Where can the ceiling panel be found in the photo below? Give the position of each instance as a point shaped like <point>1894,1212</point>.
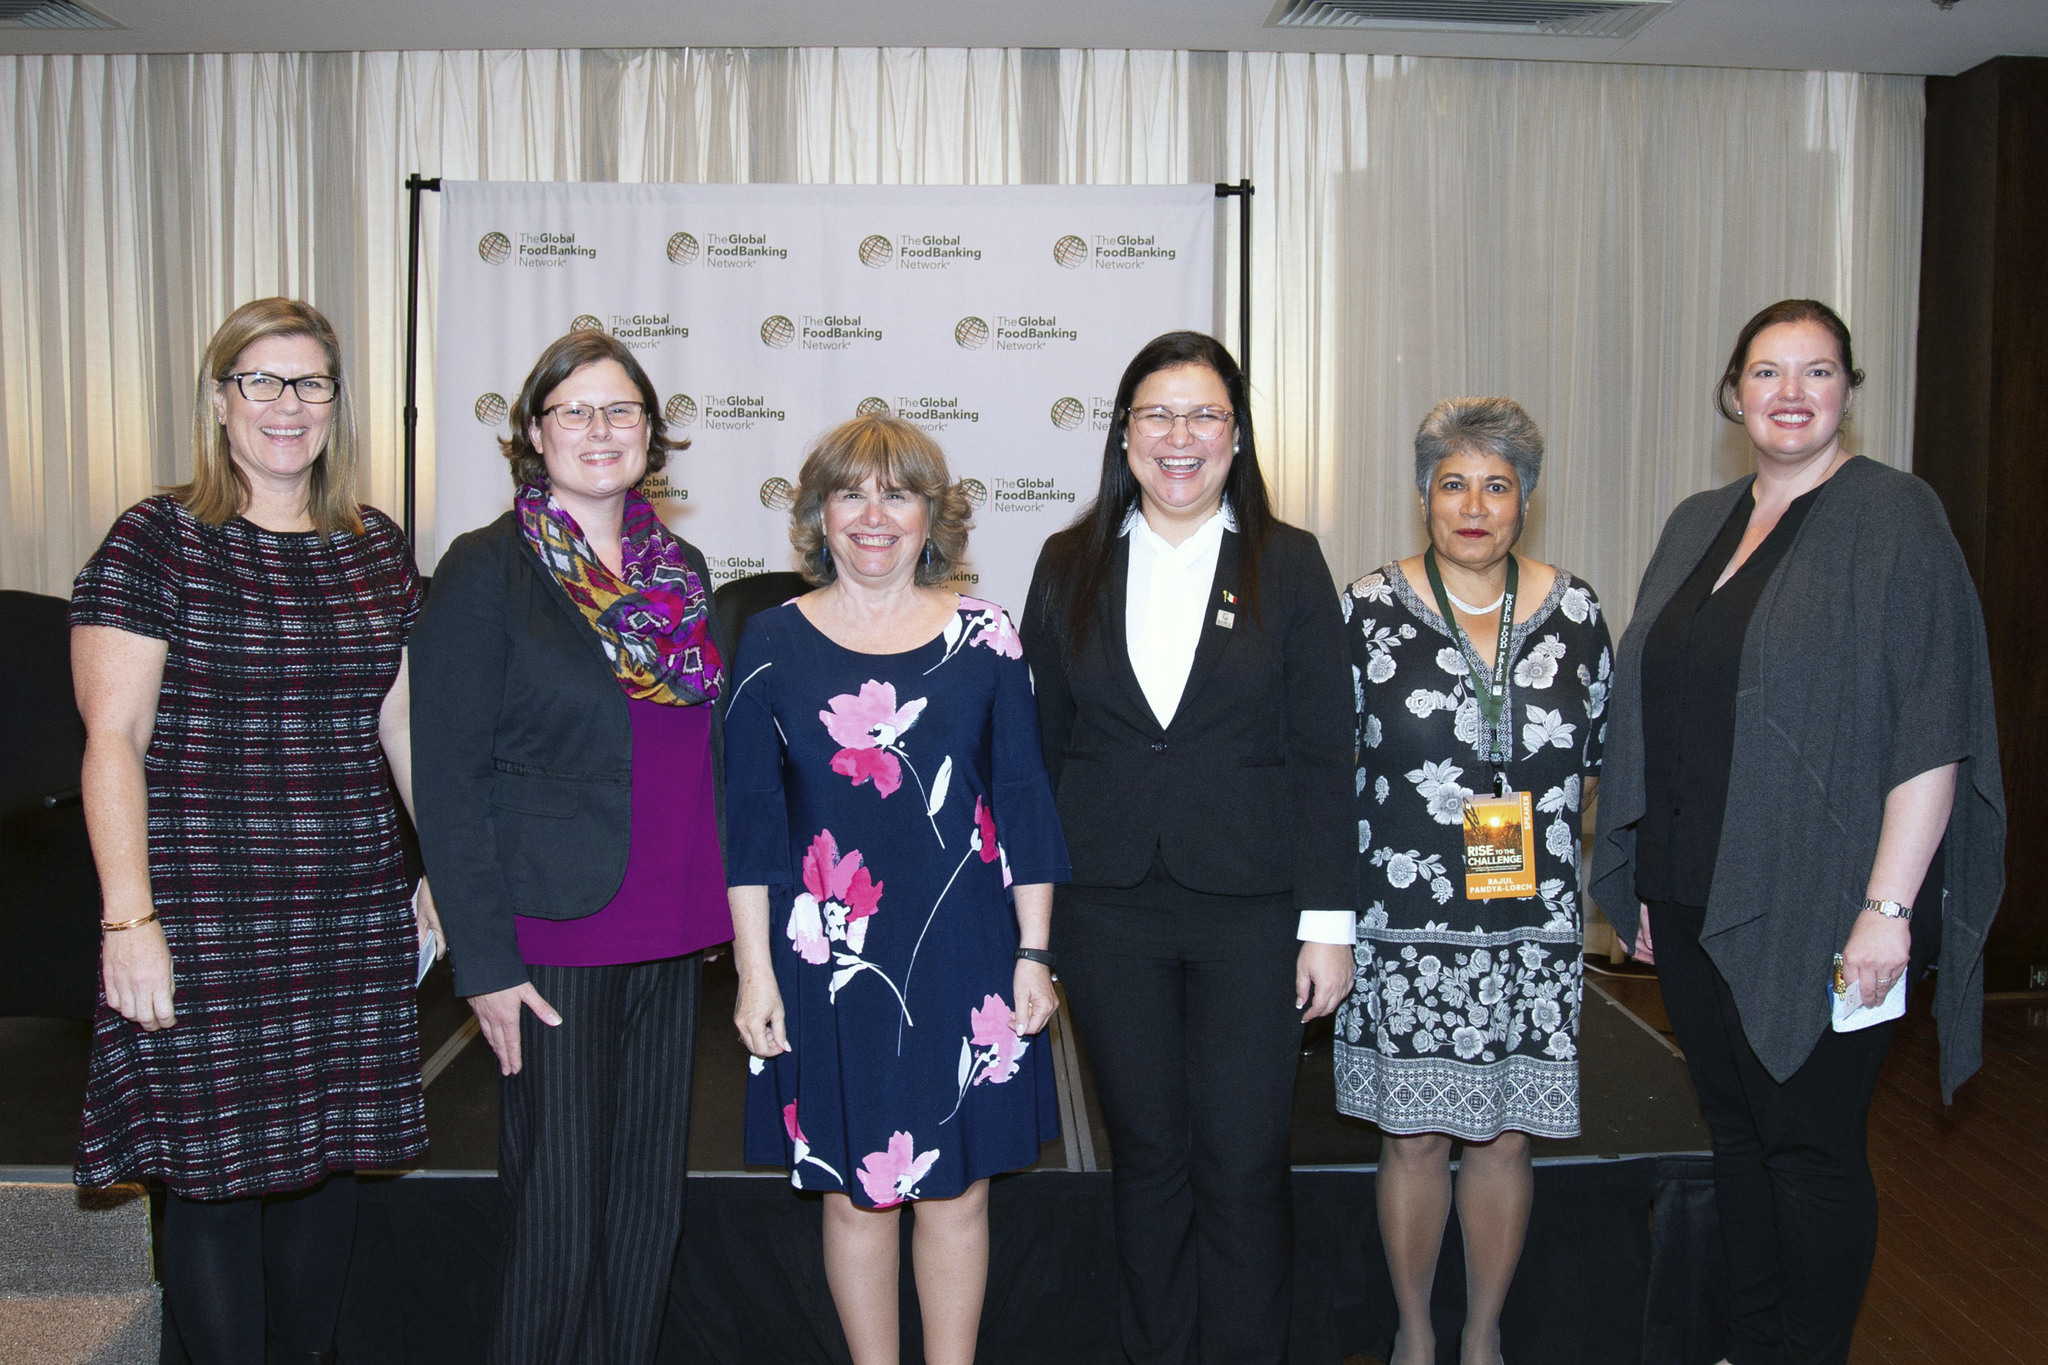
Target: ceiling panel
<point>1838,35</point>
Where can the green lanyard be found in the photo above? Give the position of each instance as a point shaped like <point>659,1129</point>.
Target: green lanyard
<point>1493,698</point>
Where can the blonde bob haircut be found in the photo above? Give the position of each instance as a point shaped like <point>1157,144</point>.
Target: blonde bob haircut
<point>219,491</point>
<point>899,456</point>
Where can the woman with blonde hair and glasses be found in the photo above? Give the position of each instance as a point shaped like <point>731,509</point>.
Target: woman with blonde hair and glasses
<point>239,646</point>
<point>893,853</point>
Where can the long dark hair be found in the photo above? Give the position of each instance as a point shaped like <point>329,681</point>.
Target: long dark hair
<point>1081,554</point>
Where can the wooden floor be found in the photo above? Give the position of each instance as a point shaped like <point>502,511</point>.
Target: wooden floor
<point>1962,1250</point>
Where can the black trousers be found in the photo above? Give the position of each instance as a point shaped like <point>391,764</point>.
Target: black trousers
<point>1185,1003</point>
<point>1792,1179</point>
<point>593,1147</point>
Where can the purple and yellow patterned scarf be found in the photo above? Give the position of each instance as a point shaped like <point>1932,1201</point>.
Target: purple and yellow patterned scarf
<point>655,626</point>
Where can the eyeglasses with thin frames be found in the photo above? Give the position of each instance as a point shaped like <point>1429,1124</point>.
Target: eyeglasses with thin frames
<point>258,387</point>
<point>1204,424</point>
<point>577,416</point>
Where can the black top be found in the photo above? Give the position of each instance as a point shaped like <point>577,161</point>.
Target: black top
<point>1248,791</point>
<point>1691,663</point>
<point>522,749</point>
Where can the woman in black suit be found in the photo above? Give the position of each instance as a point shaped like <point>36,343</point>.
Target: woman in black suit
<point>568,758</point>
<point>1195,705</point>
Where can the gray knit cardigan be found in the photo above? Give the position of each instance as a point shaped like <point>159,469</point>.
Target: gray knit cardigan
<point>1864,665</point>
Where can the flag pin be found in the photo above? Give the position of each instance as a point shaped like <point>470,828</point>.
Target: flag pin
<point>1230,597</point>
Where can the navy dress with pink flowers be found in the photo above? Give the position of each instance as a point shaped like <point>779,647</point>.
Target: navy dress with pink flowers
<point>888,802</point>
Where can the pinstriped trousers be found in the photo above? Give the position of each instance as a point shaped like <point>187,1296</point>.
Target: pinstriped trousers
<point>593,1141</point>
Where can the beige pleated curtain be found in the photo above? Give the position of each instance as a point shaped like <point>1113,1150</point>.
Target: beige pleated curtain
<point>1586,238</point>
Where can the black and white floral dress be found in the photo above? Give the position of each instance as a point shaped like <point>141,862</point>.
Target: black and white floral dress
<point>1464,1014</point>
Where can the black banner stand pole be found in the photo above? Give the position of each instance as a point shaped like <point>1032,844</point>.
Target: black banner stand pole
<point>1242,192</point>
<point>414,185</point>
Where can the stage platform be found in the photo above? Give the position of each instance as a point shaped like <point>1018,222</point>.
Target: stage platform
<point>1621,1263</point>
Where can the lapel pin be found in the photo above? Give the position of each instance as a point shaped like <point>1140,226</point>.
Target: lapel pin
<point>1230,597</point>
<point>1226,619</point>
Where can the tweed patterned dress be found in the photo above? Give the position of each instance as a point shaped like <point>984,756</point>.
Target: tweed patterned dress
<point>273,856</point>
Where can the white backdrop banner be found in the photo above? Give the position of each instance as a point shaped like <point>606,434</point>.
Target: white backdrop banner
<point>996,318</point>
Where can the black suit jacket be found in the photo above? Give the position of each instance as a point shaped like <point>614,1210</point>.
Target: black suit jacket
<point>1248,791</point>
<point>522,751</point>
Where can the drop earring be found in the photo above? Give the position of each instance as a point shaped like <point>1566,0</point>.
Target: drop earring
<point>927,552</point>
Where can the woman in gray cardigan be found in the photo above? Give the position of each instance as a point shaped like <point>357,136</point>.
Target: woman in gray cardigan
<point>1801,753</point>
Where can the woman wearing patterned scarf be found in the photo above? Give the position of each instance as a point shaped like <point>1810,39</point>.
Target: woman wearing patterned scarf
<point>568,733</point>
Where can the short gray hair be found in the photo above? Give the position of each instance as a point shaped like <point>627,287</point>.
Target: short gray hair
<point>1484,426</point>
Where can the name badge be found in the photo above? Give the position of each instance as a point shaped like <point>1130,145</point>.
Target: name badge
<point>1500,846</point>
<point>1226,619</point>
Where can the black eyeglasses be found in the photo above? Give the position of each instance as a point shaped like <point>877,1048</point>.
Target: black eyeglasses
<point>258,387</point>
<point>577,416</point>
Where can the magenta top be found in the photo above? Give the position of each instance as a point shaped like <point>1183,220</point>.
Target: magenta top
<point>672,900</point>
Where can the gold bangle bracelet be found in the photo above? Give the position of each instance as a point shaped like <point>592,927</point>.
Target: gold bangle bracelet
<point>135,923</point>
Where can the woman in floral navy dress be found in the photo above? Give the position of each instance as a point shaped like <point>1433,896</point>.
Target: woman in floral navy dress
<point>884,791</point>
<point>1463,1019</point>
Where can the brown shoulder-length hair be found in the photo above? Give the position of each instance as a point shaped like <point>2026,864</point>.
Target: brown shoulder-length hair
<point>219,491</point>
<point>1784,310</point>
<point>564,356</point>
<point>898,455</point>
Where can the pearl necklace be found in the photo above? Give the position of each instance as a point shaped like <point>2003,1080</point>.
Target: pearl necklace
<point>1462,605</point>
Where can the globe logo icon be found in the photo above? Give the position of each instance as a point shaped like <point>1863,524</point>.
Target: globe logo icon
<point>491,409</point>
<point>680,410</point>
<point>1068,413</point>
<point>1070,251</point>
<point>876,251</point>
<point>976,491</point>
<point>778,495</point>
<point>778,331</point>
<point>682,248</point>
<point>586,322</point>
<point>971,333</point>
<point>494,247</point>
<point>871,407</point>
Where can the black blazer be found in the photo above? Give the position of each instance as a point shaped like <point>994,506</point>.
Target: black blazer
<point>522,751</point>
<point>1248,791</point>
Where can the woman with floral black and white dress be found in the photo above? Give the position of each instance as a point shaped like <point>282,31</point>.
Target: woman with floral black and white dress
<point>1463,1017</point>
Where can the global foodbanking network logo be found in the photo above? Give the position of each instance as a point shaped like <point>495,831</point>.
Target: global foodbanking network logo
<point>1129,251</point>
<point>1031,332</point>
<point>659,487</point>
<point>834,331</point>
<point>921,251</point>
<point>725,568</point>
<point>738,411</point>
<point>645,331</point>
<point>1029,493</point>
<point>936,412</point>
<point>1069,413</point>
<point>740,250</point>
<point>533,248</point>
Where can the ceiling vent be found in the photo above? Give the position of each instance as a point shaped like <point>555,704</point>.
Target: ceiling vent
<point>1541,18</point>
<point>50,14</point>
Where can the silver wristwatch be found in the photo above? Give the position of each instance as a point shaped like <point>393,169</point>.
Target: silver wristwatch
<point>1889,909</point>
